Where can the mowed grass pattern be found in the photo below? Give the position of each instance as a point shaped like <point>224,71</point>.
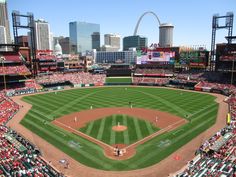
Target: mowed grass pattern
<point>136,130</point>
<point>200,108</point>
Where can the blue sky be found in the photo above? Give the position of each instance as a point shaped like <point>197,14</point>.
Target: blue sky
<point>191,18</point>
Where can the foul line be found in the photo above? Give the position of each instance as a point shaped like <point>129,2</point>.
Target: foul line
<point>84,135</point>
<point>169,127</point>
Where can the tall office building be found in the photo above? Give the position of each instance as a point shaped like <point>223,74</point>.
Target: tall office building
<point>137,42</point>
<point>111,42</point>
<point>96,41</point>
<point>43,35</point>
<point>65,45</point>
<point>4,21</point>
<point>3,37</point>
<point>111,57</point>
<point>81,36</point>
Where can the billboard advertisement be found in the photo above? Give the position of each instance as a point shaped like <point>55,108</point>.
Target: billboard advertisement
<point>154,56</point>
<point>194,58</point>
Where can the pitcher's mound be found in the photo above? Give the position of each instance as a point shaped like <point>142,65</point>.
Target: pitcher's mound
<point>119,128</point>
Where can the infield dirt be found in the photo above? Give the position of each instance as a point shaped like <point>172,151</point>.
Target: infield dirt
<point>164,168</point>
<point>72,122</point>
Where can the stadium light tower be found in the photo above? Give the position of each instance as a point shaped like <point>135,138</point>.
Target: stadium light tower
<point>16,16</point>
<point>215,26</point>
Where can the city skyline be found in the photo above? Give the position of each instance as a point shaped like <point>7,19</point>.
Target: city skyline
<point>191,20</point>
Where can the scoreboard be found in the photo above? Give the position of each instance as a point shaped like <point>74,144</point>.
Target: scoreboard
<point>225,57</point>
<point>156,56</point>
<point>173,56</point>
<point>194,59</point>
<point>226,52</point>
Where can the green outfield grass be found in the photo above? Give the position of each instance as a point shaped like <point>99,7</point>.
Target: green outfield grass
<point>101,129</point>
<point>113,80</point>
<point>201,110</point>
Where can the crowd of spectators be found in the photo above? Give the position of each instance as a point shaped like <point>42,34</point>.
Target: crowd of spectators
<point>217,156</point>
<point>203,81</point>
<point>75,78</point>
<point>12,57</point>
<point>46,57</point>
<point>199,75</point>
<point>8,108</point>
<point>177,78</point>
<point>213,85</point>
<point>32,84</point>
<point>14,70</point>
<point>19,157</point>
<point>189,75</point>
<point>29,86</point>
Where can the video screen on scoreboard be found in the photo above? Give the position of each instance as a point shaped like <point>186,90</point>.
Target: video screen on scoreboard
<point>194,58</point>
<point>152,56</point>
<point>227,52</point>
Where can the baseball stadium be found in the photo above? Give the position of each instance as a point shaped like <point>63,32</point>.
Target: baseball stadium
<point>168,112</point>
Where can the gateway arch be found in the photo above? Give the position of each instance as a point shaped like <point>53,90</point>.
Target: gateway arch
<point>140,18</point>
<point>165,30</point>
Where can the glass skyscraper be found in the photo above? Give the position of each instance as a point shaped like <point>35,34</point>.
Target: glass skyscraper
<point>96,41</point>
<point>137,42</point>
<point>81,36</point>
